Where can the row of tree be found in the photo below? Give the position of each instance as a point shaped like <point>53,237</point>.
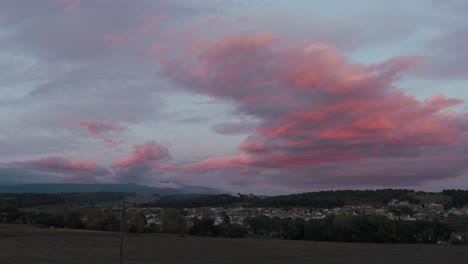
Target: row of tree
<point>458,198</point>
<point>363,229</point>
<point>74,218</point>
<point>322,199</point>
<point>369,228</point>
<point>375,229</point>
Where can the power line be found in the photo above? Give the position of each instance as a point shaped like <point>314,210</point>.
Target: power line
<point>122,228</point>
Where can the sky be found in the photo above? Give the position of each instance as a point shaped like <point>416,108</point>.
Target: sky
<point>250,96</point>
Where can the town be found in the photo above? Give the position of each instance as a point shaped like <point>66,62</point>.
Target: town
<point>394,210</point>
<point>392,216</point>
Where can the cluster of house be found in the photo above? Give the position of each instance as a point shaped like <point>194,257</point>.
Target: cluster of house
<point>394,210</point>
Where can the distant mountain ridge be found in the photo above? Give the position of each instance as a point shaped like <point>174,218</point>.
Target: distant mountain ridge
<point>89,188</point>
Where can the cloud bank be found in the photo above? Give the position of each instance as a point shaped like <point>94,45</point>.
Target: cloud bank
<point>225,94</point>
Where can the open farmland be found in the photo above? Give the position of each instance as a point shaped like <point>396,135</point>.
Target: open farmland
<point>26,244</point>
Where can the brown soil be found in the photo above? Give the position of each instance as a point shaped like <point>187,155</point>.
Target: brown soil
<point>26,244</point>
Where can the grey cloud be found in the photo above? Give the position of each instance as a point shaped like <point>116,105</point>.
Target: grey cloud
<point>21,142</point>
<point>17,176</point>
<point>235,128</point>
<point>448,58</point>
<point>45,29</point>
<point>194,119</point>
<point>140,173</point>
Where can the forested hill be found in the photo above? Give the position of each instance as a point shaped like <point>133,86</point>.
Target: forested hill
<point>322,199</point>
<point>93,188</point>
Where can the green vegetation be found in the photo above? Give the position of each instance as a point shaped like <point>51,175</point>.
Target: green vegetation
<point>322,199</point>
<point>73,210</point>
<point>207,227</point>
<point>173,222</point>
<point>328,199</point>
<point>364,229</point>
<point>205,200</point>
<point>458,198</point>
<point>368,229</point>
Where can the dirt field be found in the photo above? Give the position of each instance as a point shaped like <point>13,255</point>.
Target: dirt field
<point>24,244</point>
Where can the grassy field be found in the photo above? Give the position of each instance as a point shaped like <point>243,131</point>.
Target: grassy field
<point>25,244</point>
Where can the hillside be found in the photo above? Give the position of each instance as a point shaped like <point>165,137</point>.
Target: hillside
<point>93,188</point>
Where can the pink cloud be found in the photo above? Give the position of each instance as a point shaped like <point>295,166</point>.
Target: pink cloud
<point>226,162</point>
<point>68,5</point>
<point>159,50</point>
<point>101,130</point>
<point>58,163</point>
<point>147,164</point>
<point>149,152</point>
<point>253,145</point>
<point>319,111</point>
<point>439,102</point>
<point>68,169</point>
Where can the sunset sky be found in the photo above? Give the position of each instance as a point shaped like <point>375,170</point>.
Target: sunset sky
<point>261,96</point>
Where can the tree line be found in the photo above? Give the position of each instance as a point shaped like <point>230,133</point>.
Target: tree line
<point>321,199</point>
<point>362,229</point>
<point>365,229</point>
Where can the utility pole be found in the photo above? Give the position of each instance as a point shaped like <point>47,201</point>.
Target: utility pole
<point>122,227</point>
